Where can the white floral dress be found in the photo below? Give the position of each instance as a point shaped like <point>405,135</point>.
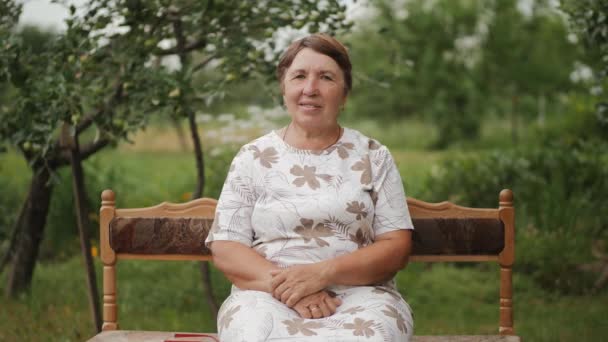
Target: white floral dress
<point>298,206</point>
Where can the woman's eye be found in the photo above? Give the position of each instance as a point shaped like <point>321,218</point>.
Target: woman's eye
<point>326,77</point>
<point>298,77</point>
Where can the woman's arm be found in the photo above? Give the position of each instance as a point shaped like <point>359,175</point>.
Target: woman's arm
<point>375,263</point>
<point>372,264</point>
<point>242,265</point>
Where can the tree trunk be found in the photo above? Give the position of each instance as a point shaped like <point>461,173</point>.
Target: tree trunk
<point>31,231</point>
<point>198,192</point>
<point>181,136</point>
<point>13,240</point>
<point>198,155</point>
<point>83,230</point>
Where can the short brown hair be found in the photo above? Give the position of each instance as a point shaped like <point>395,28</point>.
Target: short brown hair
<point>323,44</point>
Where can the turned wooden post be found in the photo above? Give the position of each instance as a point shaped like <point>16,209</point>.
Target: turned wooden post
<point>506,259</point>
<point>108,258</point>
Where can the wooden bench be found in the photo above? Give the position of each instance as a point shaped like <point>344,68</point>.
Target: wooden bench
<point>444,232</point>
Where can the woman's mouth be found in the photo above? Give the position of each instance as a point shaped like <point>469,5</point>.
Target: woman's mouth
<point>309,106</point>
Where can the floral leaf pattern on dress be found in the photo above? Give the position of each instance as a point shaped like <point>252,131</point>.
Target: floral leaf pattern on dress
<point>267,157</point>
<point>359,238</point>
<point>308,175</point>
<point>308,233</point>
<point>227,317</point>
<point>241,186</point>
<point>382,289</point>
<point>361,327</point>
<point>302,326</point>
<point>392,312</point>
<point>373,144</point>
<point>357,208</point>
<point>364,165</point>
<point>354,310</point>
<point>215,225</point>
<point>342,149</point>
<point>374,195</point>
<point>335,224</point>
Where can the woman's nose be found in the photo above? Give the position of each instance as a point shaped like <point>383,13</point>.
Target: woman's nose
<point>311,87</point>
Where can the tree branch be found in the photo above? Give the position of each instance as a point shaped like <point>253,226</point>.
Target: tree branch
<point>204,63</point>
<point>111,102</point>
<point>201,43</point>
<point>91,148</point>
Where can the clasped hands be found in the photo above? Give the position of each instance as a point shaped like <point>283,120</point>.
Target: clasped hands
<point>302,287</point>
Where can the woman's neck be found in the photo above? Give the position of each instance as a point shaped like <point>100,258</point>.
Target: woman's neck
<point>311,139</point>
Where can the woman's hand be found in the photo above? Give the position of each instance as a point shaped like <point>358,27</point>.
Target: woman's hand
<point>317,305</point>
<point>290,285</point>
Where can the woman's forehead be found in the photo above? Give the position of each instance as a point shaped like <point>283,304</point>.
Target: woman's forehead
<point>308,59</point>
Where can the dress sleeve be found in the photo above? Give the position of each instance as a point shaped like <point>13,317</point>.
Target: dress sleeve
<point>391,211</point>
<point>232,220</point>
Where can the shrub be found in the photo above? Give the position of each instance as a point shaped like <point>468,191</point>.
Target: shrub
<point>560,191</point>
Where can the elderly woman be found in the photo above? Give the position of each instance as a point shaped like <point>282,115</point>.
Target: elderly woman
<point>312,222</point>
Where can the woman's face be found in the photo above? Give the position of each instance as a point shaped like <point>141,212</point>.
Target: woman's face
<point>313,90</point>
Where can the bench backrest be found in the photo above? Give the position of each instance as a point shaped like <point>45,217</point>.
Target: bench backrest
<point>443,232</point>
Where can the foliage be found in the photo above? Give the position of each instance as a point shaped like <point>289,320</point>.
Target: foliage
<point>590,19</point>
<point>13,183</point>
<point>457,63</point>
<point>407,66</point>
<point>104,74</point>
<point>559,188</point>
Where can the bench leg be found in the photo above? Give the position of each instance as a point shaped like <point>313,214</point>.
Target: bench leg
<point>109,298</point>
<point>506,301</point>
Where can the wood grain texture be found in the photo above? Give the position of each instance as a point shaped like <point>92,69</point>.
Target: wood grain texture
<point>422,209</point>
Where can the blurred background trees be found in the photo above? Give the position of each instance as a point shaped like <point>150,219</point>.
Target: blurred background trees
<point>455,64</point>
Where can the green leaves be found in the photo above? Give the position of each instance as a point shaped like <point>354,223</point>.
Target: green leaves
<point>110,70</point>
<point>590,20</point>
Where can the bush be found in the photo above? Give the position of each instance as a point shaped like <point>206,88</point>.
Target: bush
<point>560,191</point>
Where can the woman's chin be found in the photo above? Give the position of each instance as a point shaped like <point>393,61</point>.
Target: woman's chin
<point>312,122</point>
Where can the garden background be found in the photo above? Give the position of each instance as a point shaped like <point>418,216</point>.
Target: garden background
<point>153,98</point>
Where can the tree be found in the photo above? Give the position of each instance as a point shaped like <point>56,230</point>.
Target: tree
<point>589,18</point>
<point>58,98</point>
<point>526,56</point>
<point>413,49</point>
<point>455,63</point>
<point>100,80</point>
